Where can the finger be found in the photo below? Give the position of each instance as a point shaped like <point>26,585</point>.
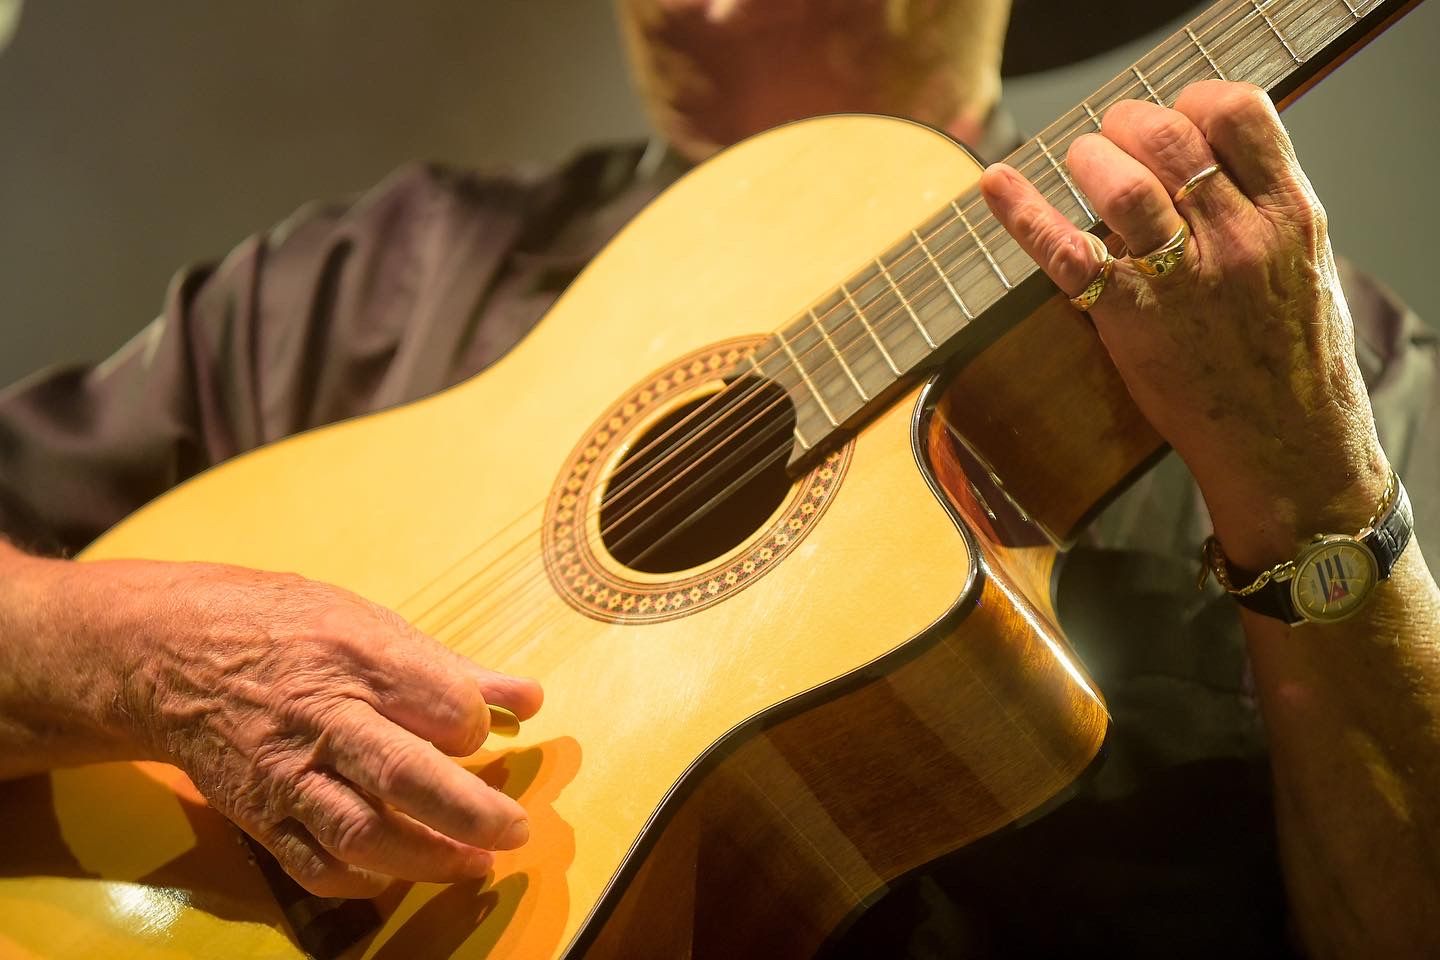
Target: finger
<point>307,863</point>
<point>434,692</point>
<point>1068,255</point>
<point>399,768</point>
<point>358,831</point>
<point>1174,150</point>
<point>1242,127</point>
<point>1125,193</point>
<point>522,696</point>
<point>421,688</point>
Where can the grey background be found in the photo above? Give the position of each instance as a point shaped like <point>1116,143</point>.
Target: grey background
<point>136,137</point>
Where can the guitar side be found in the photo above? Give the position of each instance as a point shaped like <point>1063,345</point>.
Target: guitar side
<point>892,688</point>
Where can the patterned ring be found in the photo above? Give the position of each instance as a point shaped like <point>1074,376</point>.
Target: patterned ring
<point>1158,263</point>
<point>1087,297</point>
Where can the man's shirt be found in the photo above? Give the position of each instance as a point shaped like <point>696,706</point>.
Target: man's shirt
<point>1166,847</point>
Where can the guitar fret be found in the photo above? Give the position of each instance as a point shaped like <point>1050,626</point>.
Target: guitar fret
<point>869,329</point>
<point>825,335</point>
<point>905,302</point>
<point>804,375</point>
<point>759,371</point>
<point>1206,54</point>
<point>1066,177</point>
<point>983,249</point>
<point>1275,30</point>
<point>886,347</point>
<point>1135,69</point>
<point>945,279</point>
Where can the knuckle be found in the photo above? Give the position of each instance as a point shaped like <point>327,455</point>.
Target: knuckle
<point>1251,101</point>
<point>1171,137</point>
<point>1072,265</point>
<point>305,866</point>
<point>1052,245</point>
<point>1131,199</point>
<point>394,769</point>
<point>1030,222</point>
<point>353,834</point>
<point>270,776</point>
<point>1243,107</point>
<point>465,713</point>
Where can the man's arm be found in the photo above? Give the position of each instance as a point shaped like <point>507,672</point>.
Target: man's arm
<point>1353,715</point>
<point>314,719</point>
<point>1243,358</point>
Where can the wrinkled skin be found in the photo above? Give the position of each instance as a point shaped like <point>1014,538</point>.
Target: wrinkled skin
<point>319,722</point>
<point>1243,357</point>
<point>316,720</point>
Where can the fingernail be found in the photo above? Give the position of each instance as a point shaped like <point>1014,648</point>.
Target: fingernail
<point>482,863</point>
<point>1097,246</point>
<point>516,835</point>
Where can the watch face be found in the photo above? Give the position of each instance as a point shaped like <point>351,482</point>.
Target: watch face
<point>1333,577</point>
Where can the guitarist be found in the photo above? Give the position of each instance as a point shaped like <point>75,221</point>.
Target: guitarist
<point>1244,357</point>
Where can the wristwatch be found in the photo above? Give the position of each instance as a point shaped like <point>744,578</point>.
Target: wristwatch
<point>1333,575</point>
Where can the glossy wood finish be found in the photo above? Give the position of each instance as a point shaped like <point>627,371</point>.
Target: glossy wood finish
<point>794,831</point>
<point>1044,408</point>
<point>882,695</point>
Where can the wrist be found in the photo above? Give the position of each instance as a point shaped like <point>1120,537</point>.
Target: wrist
<point>1265,519</point>
<point>63,696</point>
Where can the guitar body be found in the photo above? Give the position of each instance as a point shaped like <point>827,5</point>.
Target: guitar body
<point>732,760</point>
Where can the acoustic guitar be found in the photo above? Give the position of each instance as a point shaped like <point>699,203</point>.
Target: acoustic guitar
<point>770,502</point>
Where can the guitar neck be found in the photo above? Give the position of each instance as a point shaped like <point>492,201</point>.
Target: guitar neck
<point>958,280</point>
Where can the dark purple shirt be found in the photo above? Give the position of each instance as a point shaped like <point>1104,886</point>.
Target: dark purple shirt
<point>432,275</point>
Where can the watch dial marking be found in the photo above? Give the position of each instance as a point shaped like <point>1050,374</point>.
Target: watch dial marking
<point>1333,579</point>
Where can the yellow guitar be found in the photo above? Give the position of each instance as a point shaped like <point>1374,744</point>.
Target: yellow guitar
<point>769,502</point>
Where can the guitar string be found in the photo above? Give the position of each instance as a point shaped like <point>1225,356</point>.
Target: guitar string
<point>895,312</point>
<point>784,448</point>
<point>530,625</point>
<point>1170,58</point>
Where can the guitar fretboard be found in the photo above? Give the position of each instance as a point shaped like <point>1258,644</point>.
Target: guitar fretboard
<point>910,305</point>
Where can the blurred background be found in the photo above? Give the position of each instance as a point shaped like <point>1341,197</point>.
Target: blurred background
<point>137,137</point>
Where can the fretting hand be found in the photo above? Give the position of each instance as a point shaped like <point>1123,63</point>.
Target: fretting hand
<point>1243,356</point>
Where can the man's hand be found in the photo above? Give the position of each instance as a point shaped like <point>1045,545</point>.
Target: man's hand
<point>317,721</point>
<point>1243,357</point>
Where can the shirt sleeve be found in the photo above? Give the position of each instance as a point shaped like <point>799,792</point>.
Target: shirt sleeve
<point>339,311</point>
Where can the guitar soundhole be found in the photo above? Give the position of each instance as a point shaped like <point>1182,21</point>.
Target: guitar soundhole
<point>701,480</point>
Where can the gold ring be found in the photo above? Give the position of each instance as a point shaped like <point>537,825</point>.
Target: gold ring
<point>1157,263</point>
<point>1188,187</point>
<point>1087,297</point>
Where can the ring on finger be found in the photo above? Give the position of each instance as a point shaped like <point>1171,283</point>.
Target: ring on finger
<point>1086,298</point>
<point>1188,187</point>
<point>1163,260</point>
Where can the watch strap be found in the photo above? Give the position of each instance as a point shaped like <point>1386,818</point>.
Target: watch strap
<point>1273,600</point>
<point>1387,541</point>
